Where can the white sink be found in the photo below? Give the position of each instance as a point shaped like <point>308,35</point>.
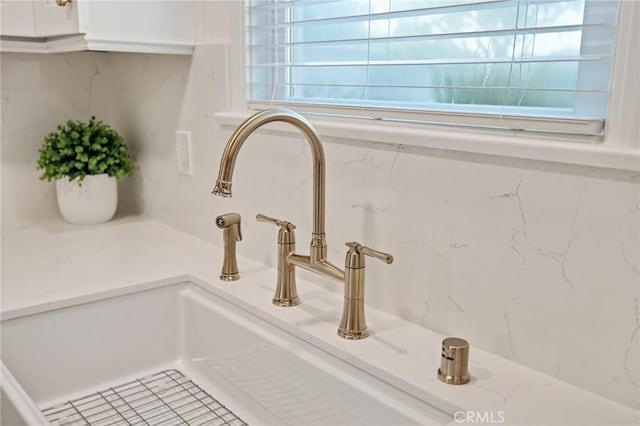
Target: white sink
<point>258,371</point>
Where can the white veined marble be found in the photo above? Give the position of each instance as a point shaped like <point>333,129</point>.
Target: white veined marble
<point>532,261</point>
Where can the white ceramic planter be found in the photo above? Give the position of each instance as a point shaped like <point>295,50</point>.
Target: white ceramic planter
<point>94,201</point>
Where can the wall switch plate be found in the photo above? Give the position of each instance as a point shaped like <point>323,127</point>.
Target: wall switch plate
<point>183,152</point>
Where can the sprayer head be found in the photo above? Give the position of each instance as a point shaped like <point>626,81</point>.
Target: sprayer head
<point>227,220</point>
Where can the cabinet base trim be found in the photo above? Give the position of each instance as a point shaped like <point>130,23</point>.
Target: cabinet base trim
<point>79,42</point>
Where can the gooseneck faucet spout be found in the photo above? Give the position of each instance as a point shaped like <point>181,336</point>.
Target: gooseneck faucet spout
<point>223,184</point>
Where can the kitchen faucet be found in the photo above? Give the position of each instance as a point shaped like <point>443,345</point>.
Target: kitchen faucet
<point>353,325</point>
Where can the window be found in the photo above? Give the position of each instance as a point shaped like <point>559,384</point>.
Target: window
<point>540,65</point>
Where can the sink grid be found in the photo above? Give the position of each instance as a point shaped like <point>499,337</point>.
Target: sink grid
<point>166,398</point>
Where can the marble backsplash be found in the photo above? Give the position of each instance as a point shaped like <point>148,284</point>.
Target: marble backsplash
<point>534,261</point>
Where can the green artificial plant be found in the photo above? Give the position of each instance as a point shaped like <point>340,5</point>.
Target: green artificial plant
<point>78,149</point>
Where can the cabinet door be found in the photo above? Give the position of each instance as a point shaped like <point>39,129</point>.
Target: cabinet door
<point>17,18</point>
<point>54,20</point>
<point>143,21</point>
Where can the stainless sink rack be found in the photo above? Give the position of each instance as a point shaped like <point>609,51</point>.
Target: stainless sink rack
<point>167,398</point>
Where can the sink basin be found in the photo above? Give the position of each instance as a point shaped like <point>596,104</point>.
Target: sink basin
<point>187,331</point>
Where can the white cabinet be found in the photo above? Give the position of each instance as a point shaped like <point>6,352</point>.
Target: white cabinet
<point>17,18</point>
<point>110,25</point>
<point>54,20</point>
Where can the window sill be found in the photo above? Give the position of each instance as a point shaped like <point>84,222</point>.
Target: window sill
<point>558,149</point>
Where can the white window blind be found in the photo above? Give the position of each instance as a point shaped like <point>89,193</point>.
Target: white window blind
<point>540,65</point>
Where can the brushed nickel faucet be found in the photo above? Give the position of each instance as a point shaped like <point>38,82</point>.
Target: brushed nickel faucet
<point>286,290</point>
<point>354,327</point>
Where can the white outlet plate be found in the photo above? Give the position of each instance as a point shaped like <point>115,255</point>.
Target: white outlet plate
<point>183,152</point>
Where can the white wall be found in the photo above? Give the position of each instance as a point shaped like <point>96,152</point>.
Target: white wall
<point>39,92</point>
<point>534,261</point>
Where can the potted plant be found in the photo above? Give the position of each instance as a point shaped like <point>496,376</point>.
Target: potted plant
<point>85,160</point>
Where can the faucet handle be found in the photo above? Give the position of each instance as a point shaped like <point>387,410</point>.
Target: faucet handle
<point>283,224</point>
<point>353,325</point>
<point>286,291</point>
<point>357,249</point>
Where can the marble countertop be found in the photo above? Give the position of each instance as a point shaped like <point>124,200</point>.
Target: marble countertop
<point>47,264</point>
